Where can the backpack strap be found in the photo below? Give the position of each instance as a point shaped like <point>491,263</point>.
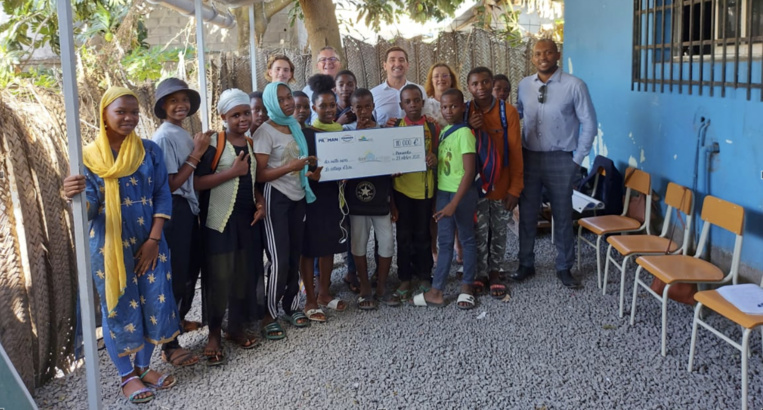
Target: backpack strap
<point>505,125</point>
<point>466,112</point>
<point>433,132</point>
<point>451,130</point>
<point>219,150</point>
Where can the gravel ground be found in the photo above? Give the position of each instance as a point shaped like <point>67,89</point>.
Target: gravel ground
<point>545,348</point>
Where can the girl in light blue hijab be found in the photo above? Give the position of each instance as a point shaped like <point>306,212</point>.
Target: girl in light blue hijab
<point>282,161</point>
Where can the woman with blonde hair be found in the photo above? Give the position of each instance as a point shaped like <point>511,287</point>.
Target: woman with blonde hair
<point>439,78</point>
<point>280,69</point>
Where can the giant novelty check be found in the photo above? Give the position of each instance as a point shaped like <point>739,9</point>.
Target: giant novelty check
<point>370,152</point>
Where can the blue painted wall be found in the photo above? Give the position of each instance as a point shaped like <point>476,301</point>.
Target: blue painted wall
<point>658,131</point>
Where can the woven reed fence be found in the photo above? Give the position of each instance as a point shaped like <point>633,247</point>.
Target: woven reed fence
<point>37,267</point>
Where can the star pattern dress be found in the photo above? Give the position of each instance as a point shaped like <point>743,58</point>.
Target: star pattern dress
<point>147,310</point>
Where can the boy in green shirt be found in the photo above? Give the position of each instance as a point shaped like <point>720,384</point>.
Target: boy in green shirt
<point>456,200</point>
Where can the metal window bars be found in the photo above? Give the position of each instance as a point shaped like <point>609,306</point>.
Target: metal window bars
<point>698,46</point>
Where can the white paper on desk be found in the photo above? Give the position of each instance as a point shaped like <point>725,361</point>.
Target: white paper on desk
<point>747,297</point>
<point>370,152</point>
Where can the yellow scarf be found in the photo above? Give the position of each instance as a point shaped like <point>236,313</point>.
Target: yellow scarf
<point>100,160</point>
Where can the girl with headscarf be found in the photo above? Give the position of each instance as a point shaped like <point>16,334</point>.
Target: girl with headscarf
<point>325,227</point>
<point>128,200</point>
<point>282,160</point>
<point>231,208</point>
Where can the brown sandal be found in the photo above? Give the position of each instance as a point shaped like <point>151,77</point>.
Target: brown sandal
<point>243,341</point>
<point>180,357</point>
<point>190,326</point>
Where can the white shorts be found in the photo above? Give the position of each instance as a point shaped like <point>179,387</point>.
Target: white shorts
<point>360,226</point>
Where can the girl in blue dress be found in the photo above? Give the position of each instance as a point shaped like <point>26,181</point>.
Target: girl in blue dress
<point>128,199</point>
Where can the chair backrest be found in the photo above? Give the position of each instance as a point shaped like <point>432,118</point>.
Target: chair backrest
<point>681,199</point>
<point>638,180</point>
<point>729,216</point>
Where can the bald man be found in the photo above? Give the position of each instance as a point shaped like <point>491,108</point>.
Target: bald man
<point>559,128</point>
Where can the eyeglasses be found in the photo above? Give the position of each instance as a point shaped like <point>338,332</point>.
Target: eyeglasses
<point>441,76</point>
<point>542,94</point>
<point>328,60</point>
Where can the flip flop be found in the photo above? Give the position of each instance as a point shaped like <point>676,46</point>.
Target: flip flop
<point>131,398</point>
<point>312,315</point>
<point>465,298</point>
<point>399,297</point>
<point>271,331</point>
<point>243,341</point>
<point>215,357</point>
<point>180,357</point>
<point>420,300</point>
<point>159,385</point>
<point>190,325</point>
<point>392,300</point>
<point>334,305</point>
<point>498,287</point>
<point>479,285</point>
<point>295,318</point>
<point>367,303</point>
<point>353,285</point>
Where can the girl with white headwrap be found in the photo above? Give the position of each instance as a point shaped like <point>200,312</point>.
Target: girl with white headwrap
<point>231,208</point>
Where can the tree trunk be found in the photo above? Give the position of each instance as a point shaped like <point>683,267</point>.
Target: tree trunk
<point>321,25</point>
<point>262,13</point>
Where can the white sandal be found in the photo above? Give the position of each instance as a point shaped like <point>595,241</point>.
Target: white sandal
<point>311,315</point>
<point>420,300</point>
<point>465,298</point>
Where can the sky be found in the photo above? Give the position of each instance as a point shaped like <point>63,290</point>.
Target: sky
<point>407,27</point>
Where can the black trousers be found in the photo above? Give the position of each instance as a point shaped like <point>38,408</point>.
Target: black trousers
<point>414,240</point>
<point>184,240</point>
<point>284,230</point>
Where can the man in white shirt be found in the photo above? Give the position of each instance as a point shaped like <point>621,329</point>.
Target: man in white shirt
<point>328,63</point>
<point>387,94</point>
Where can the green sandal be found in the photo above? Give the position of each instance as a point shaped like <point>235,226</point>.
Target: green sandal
<point>297,319</point>
<point>273,331</point>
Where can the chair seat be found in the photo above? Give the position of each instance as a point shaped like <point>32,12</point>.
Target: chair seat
<point>713,300</point>
<point>680,268</point>
<point>601,225</point>
<point>634,244</point>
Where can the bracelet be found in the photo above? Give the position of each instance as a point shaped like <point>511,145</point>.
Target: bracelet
<point>155,239</point>
<point>190,165</point>
<point>192,157</point>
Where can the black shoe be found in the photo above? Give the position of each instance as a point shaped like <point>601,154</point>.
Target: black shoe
<point>522,273</point>
<point>567,279</point>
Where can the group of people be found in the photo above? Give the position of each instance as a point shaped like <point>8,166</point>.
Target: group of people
<point>246,205</point>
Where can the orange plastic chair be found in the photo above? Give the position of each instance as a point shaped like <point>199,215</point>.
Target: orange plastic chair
<point>635,180</point>
<point>677,198</point>
<point>673,269</point>
<point>713,300</point>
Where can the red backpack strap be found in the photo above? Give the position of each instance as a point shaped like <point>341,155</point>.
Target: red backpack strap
<point>219,149</point>
<point>435,138</point>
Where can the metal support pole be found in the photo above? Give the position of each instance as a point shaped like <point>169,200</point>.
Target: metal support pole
<point>252,48</point>
<point>79,211</point>
<point>204,109</point>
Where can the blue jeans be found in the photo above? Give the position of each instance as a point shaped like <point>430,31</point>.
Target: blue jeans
<point>556,172</point>
<point>463,219</point>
